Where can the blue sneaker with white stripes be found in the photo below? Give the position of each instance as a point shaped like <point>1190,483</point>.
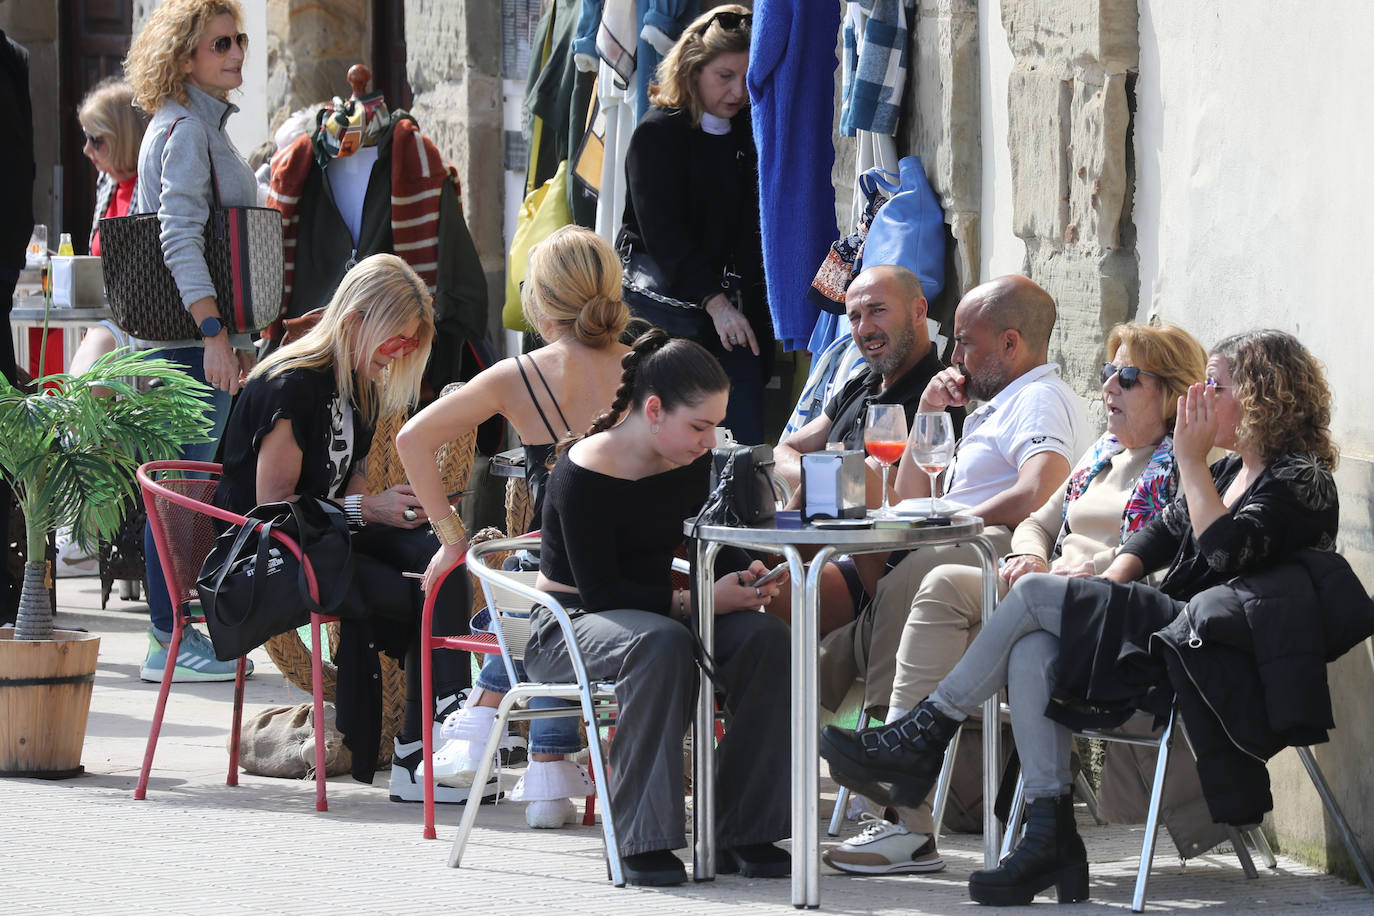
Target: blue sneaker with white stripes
<point>195,659</point>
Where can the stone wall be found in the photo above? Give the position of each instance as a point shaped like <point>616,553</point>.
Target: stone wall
<point>310,46</point>
<point>940,123</point>
<point>453,56</point>
<point>1070,108</point>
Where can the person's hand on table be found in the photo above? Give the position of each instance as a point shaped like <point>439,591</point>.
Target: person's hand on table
<point>736,591</point>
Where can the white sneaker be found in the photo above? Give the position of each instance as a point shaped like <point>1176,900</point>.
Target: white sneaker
<point>465,734</point>
<point>884,848</point>
<point>550,814</point>
<point>407,785</point>
<point>549,786</point>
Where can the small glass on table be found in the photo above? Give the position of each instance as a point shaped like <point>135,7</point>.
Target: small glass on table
<point>885,439</point>
<point>932,447</point>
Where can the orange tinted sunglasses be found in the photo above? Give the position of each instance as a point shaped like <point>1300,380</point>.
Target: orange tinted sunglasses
<point>398,346</point>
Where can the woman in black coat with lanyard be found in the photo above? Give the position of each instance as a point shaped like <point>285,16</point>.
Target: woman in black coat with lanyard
<point>690,236</point>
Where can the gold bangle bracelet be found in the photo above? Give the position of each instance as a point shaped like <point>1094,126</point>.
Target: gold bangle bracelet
<point>449,529</point>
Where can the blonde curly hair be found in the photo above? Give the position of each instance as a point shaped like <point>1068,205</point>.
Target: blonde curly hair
<point>675,84</point>
<point>158,55</point>
<point>1285,402</point>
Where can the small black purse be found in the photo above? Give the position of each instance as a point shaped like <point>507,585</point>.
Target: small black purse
<point>742,492</point>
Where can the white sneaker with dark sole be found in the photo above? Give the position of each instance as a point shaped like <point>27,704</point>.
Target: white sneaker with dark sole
<point>406,785</point>
<point>884,848</point>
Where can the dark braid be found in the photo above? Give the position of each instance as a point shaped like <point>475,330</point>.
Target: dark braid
<point>649,343</point>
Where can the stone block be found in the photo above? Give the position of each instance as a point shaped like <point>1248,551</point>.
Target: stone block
<point>1038,137</point>
<point>1098,179</point>
<point>1093,293</point>
<point>942,122</point>
<point>1103,31</point>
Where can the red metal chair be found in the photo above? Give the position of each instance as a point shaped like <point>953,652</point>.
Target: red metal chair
<point>182,515</point>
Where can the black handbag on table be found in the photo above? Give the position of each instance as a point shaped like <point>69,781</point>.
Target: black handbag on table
<point>252,587</point>
<point>243,252</point>
<point>742,492</point>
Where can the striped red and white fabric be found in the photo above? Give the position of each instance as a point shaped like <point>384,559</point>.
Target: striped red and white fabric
<point>418,173</point>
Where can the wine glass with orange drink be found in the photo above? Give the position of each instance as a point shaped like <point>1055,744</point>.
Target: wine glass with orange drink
<point>885,439</point>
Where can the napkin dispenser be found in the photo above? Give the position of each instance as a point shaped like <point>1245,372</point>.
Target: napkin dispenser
<point>833,485</point>
<point>77,282</point>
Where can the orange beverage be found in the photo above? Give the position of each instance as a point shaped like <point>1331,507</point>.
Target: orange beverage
<point>886,452</point>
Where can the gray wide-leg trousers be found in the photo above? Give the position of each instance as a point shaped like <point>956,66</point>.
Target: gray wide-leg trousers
<point>652,661</point>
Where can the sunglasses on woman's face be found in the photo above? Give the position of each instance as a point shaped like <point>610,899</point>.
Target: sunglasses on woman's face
<point>95,141</point>
<point>398,346</point>
<point>222,44</point>
<point>1127,376</point>
<point>729,20</point>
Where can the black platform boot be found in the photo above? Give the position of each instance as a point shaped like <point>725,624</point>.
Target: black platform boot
<point>1051,852</point>
<point>905,754</point>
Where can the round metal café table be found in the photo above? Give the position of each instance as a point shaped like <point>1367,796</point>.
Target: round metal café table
<point>831,541</point>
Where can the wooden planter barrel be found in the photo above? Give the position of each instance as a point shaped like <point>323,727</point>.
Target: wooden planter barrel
<point>45,697</point>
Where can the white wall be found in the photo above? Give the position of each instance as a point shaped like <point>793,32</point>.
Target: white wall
<point>1000,252</point>
<point>1254,191</point>
<point>248,128</point>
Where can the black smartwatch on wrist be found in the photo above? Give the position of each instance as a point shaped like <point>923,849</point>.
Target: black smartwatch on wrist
<point>211,327</point>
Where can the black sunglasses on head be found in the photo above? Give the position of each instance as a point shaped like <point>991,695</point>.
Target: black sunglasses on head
<point>222,44</point>
<point>1127,376</point>
<point>729,20</point>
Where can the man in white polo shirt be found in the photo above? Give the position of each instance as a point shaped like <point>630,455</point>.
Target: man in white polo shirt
<point>1018,445</point>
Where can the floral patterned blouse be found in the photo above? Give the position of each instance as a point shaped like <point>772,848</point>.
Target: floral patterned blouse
<point>1291,505</point>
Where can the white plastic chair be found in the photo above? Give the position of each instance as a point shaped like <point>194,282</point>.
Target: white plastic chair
<point>510,596</point>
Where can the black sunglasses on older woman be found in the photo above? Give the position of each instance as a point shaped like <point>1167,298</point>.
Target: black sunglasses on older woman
<point>1127,376</point>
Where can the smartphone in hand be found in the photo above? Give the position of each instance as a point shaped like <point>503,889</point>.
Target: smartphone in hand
<point>774,573</point>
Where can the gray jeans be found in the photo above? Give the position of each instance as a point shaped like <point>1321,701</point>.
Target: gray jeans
<point>1018,648</point>
<point>652,661</point>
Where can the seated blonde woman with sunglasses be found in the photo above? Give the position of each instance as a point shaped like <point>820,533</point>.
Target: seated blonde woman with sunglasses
<point>303,427</point>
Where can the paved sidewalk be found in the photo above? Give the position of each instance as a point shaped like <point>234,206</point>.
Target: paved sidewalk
<point>197,846</point>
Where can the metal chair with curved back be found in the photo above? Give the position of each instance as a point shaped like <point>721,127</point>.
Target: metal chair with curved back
<point>509,596</point>
<point>179,498</point>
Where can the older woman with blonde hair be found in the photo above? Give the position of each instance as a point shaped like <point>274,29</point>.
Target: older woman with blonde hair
<point>303,426</point>
<point>1071,648</point>
<point>182,66</point>
<point>1117,487</point>
<point>690,234</point>
<point>572,297</point>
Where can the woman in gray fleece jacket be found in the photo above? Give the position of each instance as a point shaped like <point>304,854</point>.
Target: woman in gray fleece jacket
<point>182,66</point>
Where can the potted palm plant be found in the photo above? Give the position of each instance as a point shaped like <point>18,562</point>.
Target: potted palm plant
<point>69,449</point>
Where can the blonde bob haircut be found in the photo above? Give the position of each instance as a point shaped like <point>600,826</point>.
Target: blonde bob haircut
<point>108,112</point>
<point>573,281</point>
<point>157,58</point>
<point>1284,400</point>
<point>1169,353</point>
<point>675,80</point>
<point>375,301</point>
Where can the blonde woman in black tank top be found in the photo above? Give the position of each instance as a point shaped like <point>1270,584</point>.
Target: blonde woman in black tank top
<point>571,296</point>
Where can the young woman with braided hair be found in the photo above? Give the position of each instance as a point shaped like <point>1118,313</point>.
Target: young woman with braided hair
<point>613,514</point>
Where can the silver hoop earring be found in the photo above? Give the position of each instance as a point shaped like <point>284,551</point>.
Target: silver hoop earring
<point>653,428</point>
